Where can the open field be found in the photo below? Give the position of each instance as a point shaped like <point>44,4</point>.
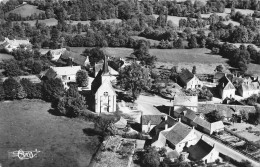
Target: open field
<point>175,19</point>
<point>48,22</point>
<point>26,10</point>
<point>152,42</point>
<point>4,56</point>
<point>28,125</point>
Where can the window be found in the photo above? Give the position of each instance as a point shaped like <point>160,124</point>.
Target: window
<point>69,78</point>
<point>105,94</point>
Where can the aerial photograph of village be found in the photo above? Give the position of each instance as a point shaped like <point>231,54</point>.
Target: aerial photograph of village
<point>129,83</point>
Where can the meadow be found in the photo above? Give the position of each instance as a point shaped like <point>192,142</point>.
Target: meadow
<point>27,125</point>
<point>4,56</point>
<point>26,10</point>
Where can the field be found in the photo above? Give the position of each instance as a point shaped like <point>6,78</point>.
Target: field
<point>183,58</point>
<point>26,10</point>
<point>48,22</point>
<point>28,125</point>
<point>152,42</point>
<point>4,56</point>
<point>175,19</point>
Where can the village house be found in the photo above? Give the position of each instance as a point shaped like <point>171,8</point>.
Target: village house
<point>150,121</point>
<point>248,89</point>
<point>189,80</point>
<point>10,45</point>
<point>198,121</point>
<point>128,60</point>
<point>226,88</point>
<point>66,74</point>
<point>177,137</point>
<point>56,53</point>
<point>202,151</point>
<point>69,57</point>
<point>103,91</point>
<point>190,102</point>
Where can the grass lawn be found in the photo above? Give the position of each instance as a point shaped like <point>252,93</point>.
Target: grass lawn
<point>28,125</point>
<point>5,56</point>
<point>26,10</point>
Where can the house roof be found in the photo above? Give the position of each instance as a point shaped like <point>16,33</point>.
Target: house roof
<point>219,75</point>
<point>203,123</point>
<point>189,101</point>
<point>155,119</point>
<point>57,51</point>
<point>199,150</point>
<point>217,125</point>
<point>50,73</point>
<point>225,83</point>
<point>191,115</point>
<point>69,70</point>
<point>17,42</point>
<point>96,82</point>
<point>186,75</point>
<point>177,133</point>
<point>76,58</point>
<point>249,87</point>
<point>121,123</point>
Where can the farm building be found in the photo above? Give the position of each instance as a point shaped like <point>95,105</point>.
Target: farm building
<point>10,45</point>
<point>177,137</point>
<point>189,80</point>
<point>66,74</point>
<point>226,88</point>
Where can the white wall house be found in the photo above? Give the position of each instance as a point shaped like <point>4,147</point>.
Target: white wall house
<point>226,88</point>
<point>10,45</point>
<point>66,74</point>
<point>189,80</point>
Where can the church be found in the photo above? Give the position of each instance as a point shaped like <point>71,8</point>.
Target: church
<point>103,91</point>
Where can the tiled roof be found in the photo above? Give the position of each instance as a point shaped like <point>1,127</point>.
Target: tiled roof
<point>96,82</point>
<point>76,58</point>
<point>218,75</point>
<point>201,122</point>
<point>69,70</point>
<point>228,109</point>
<point>225,83</point>
<point>191,115</point>
<point>50,73</point>
<point>198,151</point>
<point>186,75</point>
<point>155,119</point>
<point>177,133</point>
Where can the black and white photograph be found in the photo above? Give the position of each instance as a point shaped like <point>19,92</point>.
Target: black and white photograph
<point>129,83</point>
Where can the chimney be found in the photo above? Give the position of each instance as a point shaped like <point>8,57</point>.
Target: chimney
<point>166,122</point>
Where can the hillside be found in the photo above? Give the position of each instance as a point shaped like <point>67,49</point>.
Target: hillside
<point>26,10</point>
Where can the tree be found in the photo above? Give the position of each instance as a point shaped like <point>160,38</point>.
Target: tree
<point>94,54</point>
<point>11,68</point>
<point>13,89</point>
<point>2,92</point>
<point>82,78</point>
<point>179,44</point>
<point>28,87</point>
<point>141,51</point>
<point>213,116</point>
<point>192,43</point>
<point>53,89</point>
<point>194,70</point>
<point>134,78</point>
<point>37,67</point>
<point>72,104</point>
<point>151,157</point>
